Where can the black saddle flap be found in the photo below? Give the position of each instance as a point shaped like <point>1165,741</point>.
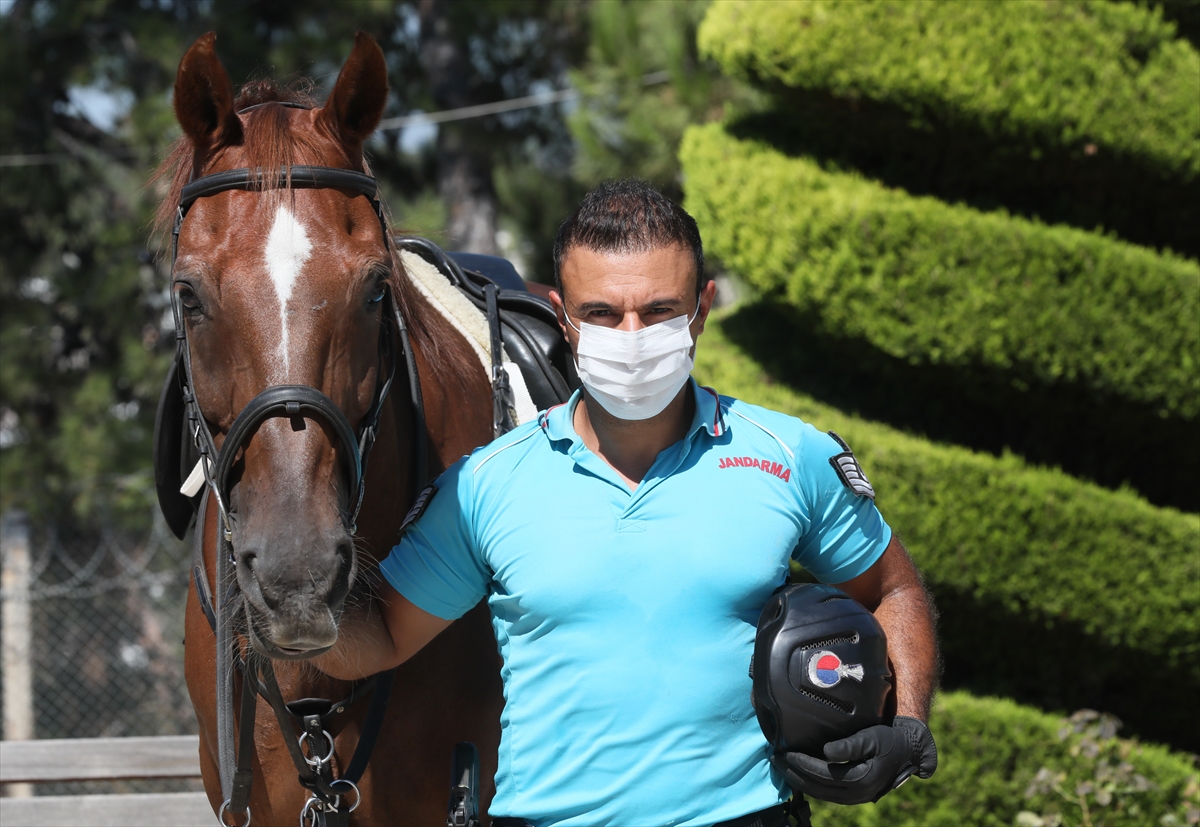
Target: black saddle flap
<point>174,456</point>
<point>528,326</point>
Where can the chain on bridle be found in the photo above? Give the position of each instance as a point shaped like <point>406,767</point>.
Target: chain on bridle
<point>325,804</point>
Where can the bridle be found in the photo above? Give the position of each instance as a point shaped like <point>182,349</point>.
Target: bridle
<point>285,400</point>
<point>326,804</point>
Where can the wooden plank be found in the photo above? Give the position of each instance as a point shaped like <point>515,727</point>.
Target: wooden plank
<point>100,759</point>
<point>142,810</point>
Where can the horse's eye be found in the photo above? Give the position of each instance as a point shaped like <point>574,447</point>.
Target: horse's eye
<point>188,299</point>
<point>378,292</point>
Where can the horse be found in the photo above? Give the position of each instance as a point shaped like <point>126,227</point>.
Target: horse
<point>279,282</point>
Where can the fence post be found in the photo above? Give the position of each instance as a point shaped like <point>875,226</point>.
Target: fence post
<point>16,644</point>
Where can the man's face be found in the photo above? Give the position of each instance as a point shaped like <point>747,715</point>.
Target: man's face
<point>629,291</point>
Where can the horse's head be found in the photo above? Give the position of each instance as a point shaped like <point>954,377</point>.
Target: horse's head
<point>283,286</point>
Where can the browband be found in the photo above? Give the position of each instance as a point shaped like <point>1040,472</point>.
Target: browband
<point>301,177</point>
<point>288,104</point>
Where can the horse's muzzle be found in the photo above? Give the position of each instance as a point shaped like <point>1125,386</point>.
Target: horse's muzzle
<point>294,598</point>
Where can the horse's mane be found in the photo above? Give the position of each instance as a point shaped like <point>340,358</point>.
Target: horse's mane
<point>270,143</point>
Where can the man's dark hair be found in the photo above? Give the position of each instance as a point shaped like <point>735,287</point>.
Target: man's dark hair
<point>628,216</point>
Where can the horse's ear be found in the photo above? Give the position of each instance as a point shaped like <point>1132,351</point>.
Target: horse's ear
<point>356,103</point>
<point>204,98</point>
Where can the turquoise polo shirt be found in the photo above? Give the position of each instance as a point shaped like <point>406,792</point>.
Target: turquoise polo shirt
<point>626,619</point>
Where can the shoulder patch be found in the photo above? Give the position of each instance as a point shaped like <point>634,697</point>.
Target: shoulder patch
<point>418,507</point>
<point>849,471</point>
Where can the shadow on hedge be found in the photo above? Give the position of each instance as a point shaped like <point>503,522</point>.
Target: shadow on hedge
<point>1108,442</point>
<point>958,163</point>
<point>1058,666</point>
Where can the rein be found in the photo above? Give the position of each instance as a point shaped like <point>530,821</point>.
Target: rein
<point>325,805</point>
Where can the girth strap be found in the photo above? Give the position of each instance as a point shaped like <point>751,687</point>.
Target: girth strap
<point>503,403</point>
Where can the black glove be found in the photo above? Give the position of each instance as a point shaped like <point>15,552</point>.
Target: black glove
<point>865,766</point>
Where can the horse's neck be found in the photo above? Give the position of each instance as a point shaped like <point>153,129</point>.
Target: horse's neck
<point>455,387</point>
<point>456,401</point>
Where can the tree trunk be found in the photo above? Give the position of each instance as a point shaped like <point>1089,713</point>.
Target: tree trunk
<point>463,157</point>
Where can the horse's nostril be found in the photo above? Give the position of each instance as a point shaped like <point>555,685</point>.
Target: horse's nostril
<point>247,563</point>
<point>345,571</point>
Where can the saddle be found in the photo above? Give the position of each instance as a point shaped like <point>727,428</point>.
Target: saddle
<point>521,323</point>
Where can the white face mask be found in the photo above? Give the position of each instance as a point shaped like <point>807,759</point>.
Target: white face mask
<point>634,374</point>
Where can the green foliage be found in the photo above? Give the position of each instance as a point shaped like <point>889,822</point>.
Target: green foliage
<point>931,283</point>
<point>1185,14</point>
<point>1000,764</point>
<point>1093,76</point>
<point>1050,587</point>
<point>623,127</point>
<point>79,362</point>
<point>531,209</point>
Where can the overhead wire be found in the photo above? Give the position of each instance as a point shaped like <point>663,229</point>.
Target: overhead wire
<point>419,118</point>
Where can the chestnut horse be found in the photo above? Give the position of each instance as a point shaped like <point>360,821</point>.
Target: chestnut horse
<point>285,285</point>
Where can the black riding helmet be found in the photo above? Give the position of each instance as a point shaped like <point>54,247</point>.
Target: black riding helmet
<point>820,668</point>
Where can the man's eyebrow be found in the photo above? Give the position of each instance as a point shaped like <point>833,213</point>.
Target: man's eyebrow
<point>671,301</point>
<point>587,307</point>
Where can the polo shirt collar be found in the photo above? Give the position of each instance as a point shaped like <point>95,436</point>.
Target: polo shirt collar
<point>708,414</point>
<point>559,422</point>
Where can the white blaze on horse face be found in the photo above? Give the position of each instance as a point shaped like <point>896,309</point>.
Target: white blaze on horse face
<point>287,250</point>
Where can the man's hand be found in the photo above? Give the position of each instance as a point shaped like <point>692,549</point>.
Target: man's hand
<point>865,766</point>
<point>388,633</point>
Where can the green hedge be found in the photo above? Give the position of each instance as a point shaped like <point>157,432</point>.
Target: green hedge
<point>1002,764</point>
<point>932,283</point>
<point>1053,590</point>
<point>1085,72</point>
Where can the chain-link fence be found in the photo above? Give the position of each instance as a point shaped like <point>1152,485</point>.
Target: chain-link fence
<point>93,635</point>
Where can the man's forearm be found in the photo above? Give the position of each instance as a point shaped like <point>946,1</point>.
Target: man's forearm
<point>364,646</point>
<point>907,616</point>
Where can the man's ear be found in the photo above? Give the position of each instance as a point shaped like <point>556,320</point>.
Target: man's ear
<point>560,313</point>
<point>708,294</point>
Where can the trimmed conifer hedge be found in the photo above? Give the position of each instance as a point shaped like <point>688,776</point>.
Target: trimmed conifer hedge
<point>939,284</point>
<point>1053,590</point>
<point>1001,764</point>
<point>1092,75</point>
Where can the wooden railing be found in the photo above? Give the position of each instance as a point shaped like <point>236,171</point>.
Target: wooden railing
<point>103,759</point>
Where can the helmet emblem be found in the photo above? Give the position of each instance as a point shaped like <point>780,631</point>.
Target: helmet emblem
<point>826,670</point>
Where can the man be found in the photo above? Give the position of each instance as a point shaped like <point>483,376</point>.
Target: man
<point>626,558</point>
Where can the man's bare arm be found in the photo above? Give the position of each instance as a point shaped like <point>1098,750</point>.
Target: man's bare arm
<point>893,591</point>
<point>390,632</point>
